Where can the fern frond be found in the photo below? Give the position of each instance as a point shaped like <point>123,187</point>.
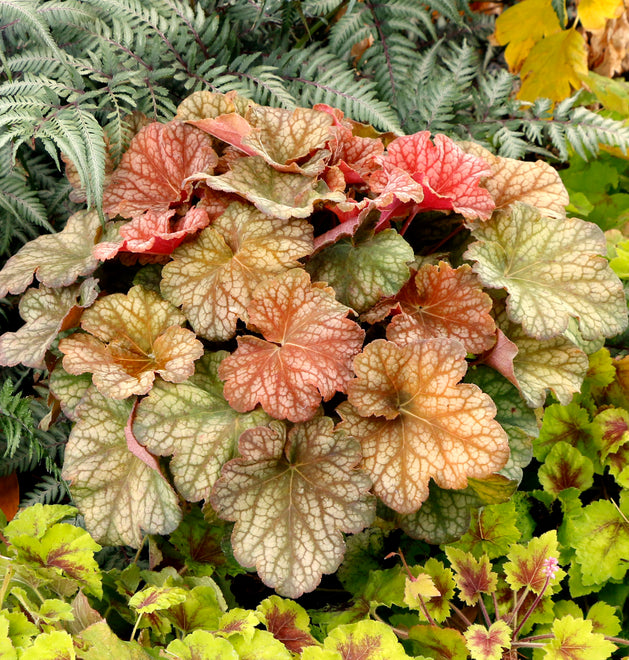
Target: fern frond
<point>50,490</point>
<point>16,421</point>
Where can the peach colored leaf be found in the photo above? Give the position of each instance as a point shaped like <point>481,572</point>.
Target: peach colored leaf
<point>213,278</point>
<point>207,105</point>
<point>441,301</point>
<point>192,422</point>
<point>501,357</point>
<point>55,259</point>
<point>46,312</point>
<point>154,170</point>
<point>537,184</point>
<point>291,495</point>
<point>278,194</point>
<point>553,269</point>
<point>554,67</point>
<point>120,496</point>
<point>306,352</point>
<point>132,337</point>
<point>416,422</point>
<point>593,14</point>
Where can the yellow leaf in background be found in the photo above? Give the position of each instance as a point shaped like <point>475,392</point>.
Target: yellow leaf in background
<point>522,26</point>
<point>554,66</point>
<point>593,14</point>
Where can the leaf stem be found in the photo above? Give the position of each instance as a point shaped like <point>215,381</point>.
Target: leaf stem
<point>535,603</point>
<point>460,614</point>
<point>398,631</point>
<point>135,627</point>
<point>5,583</point>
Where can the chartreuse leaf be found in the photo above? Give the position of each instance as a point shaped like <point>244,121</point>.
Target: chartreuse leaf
<point>193,422</point>
<point>287,621</point>
<point>53,610</point>
<point>104,644</point>
<point>565,467</point>
<point>291,495</point>
<point>121,496</point>
<point>213,277</point>
<point>238,621</point>
<point>437,604</point>
<point>131,337</point>
<point>200,608</point>
<point>418,589</point>
<point>438,642</point>
<point>18,628</point>
<point>306,352</point>
<point>7,650</point>
<point>37,519</point>
<point>46,312</point>
<point>472,576</point>
<point>574,640</point>
<point>55,645</point>
<point>488,643</point>
<point>553,270</point>
<point>278,194</point>
<point>385,587</point>
<point>604,619</point>
<point>262,646</point>
<point>525,566</point>
<point>365,268</point>
<point>202,645</point>
<point>153,599</point>
<point>416,422</point>
<point>57,260</point>
<point>610,430</point>
<point>568,423</point>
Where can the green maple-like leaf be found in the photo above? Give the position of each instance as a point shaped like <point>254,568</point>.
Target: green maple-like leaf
<point>574,640</point>
<point>364,268</point>
<point>57,260</point>
<point>121,496</point>
<point>526,565</point>
<point>488,643</point>
<point>473,576</point>
<point>287,621</point>
<point>291,496</point>
<point>202,645</point>
<point>565,467</point>
<point>193,422</point>
<point>213,278</point>
<point>553,269</point>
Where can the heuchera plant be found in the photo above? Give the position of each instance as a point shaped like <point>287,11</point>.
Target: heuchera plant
<point>336,283</point>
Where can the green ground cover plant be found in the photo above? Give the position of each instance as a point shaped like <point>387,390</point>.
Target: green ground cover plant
<point>301,362</point>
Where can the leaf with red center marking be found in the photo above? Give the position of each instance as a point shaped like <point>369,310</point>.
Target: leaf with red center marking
<point>441,301</point>
<point>488,643</point>
<point>416,422</point>
<point>213,278</point>
<point>291,495</point>
<point>132,337</point>
<point>473,576</point>
<point>153,171</point>
<point>449,177</point>
<point>526,565</point>
<point>610,430</point>
<point>47,312</point>
<point>437,604</point>
<point>306,352</point>
<point>574,640</point>
<point>56,260</point>
<point>287,621</point>
<point>565,467</point>
<point>439,642</point>
<point>121,497</point>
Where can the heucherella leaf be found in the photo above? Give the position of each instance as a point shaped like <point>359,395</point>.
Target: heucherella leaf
<point>36,520</point>
<point>574,640</point>
<point>488,643</point>
<point>553,271</point>
<point>238,621</point>
<point>565,467</point>
<point>155,169</point>
<point>537,184</point>
<point>449,177</point>
<point>200,609</point>
<point>152,599</point>
<point>437,604</point>
<point>47,312</point>
<point>439,642</point>
<point>55,645</point>
<point>526,565</point>
<point>364,268</point>
<point>610,430</point>
<point>7,649</point>
<point>193,422</point>
<point>287,621</point>
<point>473,576</point>
<point>291,495</point>
<point>278,194</point>
<point>604,618</point>
<point>306,352</point>
<point>56,260</point>
<point>201,645</point>
<point>568,423</point>
<point>104,644</point>
<point>440,301</point>
<point>213,278</point>
<point>418,589</point>
<point>262,646</point>
<point>416,422</point>
<point>132,337</point>
<point>120,496</point>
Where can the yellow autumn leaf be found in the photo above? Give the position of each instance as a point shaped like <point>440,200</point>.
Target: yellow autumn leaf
<point>593,14</point>
<point>554,66</point>
<point>520,27</point>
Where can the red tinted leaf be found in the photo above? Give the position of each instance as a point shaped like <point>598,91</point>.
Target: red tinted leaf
<point>306,352</point>
<point>473,576</point>
<point>288,622</point>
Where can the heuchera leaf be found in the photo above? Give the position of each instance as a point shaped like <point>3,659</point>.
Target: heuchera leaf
<point>610,430</point>
<point>553,271</point>
<point>439,642</point>
<point>152,599</point>
<point>568,423</point>
<point>438,604</point>
<point>291,497</point>
<point>287,621</point>
<point>440,301</point>
<point>120,496</point>
<point>526,565</point>
<point>213,278</point>
<point>565,467</point>
<point>365,268</point>
<point>473,576</point>
<point>132,337</point>
<point>239,621</point>
<point>278,194</point>
<point>46,312</point>
<point>418,589</point>
<point>193,422</point>
<point>574,640</point>
<point>207,105</point>
<point>488,643</point>
<point>69,390</point>
<point>104,644</point>
<point>415,422</point>
<point>449,177</point>
<point>604,618</point>
<point>202,645</point>
<point>200,609</point>
<point>306,352</point>
<point>36,520</point>
<point>262,646</point>
<point>154,171</point>
<point>56,260</point>
<point>55,645</point>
